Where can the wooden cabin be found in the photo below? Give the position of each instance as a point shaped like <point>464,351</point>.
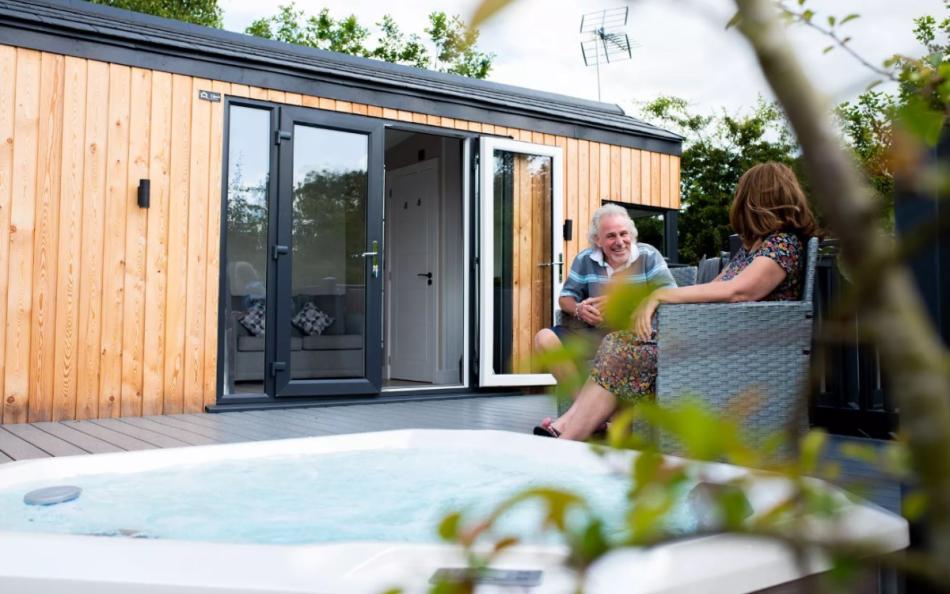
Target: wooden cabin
<point>193,219</point>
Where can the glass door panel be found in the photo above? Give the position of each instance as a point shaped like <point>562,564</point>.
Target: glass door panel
<point>328,262</point>
<point>246,243</point>
<point>521,255</point>
<point>328,234</point>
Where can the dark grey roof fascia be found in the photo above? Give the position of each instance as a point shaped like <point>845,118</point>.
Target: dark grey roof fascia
<point>149,32</point>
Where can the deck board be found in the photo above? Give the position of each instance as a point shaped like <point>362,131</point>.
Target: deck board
<point>45,441</point>
<point>117,439</point>
<point>19,449</point>
<point>87,442</point>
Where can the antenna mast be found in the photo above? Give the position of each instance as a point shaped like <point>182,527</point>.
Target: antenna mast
<point>603,38</point>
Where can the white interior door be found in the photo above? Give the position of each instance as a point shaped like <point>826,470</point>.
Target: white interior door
<point>521,256</point>
<point>413,213</point>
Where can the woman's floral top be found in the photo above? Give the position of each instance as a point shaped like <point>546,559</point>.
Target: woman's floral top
<point>786,250</point>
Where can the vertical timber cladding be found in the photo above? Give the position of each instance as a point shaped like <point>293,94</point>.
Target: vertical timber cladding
<point>109,310</point>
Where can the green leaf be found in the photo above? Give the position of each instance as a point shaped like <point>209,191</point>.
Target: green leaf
<point>831,21</point>
<point>486,10</point>
<point>811,447</point>
<point>807,15</point>
<point>850,17</point>
<point>449,526</point>
<point>828,49</point>
<point>734,21</point>
<point>922,121</point>
<point>914,505</point>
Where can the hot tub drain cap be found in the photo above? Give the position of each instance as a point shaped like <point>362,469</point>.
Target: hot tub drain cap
<point>52,495</point>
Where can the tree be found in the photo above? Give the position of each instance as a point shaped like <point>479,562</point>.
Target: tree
<point>718,149</point>
<point>455,46</point>
<point>198,12</point>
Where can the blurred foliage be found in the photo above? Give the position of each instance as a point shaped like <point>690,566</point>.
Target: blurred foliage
<point>455,46</point>
<point>198,12</point>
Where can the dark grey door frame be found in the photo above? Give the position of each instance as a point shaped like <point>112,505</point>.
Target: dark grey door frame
<point>374,131</point>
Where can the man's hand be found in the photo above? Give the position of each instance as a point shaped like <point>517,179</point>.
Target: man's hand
<point>589,311</point>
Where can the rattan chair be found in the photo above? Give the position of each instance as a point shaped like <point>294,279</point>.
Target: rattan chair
<point>715,352</point>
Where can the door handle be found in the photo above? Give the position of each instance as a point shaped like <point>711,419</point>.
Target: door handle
<point>374,255</point>
<point>427,275</point>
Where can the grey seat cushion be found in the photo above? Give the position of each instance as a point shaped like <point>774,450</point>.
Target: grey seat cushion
<point>332,342</point>
<point>256,343</point>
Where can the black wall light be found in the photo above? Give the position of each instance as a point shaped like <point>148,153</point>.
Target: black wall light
<point>144,190</point>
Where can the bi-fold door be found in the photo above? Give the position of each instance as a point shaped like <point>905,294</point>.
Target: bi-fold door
<point>521,258</point>
<point>303,253</point>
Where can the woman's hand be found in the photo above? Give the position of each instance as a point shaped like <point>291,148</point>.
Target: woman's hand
<point>643,317</point>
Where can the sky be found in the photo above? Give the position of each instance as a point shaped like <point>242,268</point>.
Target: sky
<point>681,47</point>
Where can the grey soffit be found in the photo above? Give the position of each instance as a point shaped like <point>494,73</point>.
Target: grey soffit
<point>76,25</point>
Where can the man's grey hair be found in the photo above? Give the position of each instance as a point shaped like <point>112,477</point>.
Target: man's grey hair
<point>609,210</point>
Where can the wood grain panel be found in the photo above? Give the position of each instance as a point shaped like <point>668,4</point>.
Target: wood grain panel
<point>22,219</point>
<point>215,173</point>
<point>306,100</point>
<point>327,103</point>
<point>636,196</point>
<point>403,115</point>
<point>646,182</point>
<point>113,270</point>
<point>571,211</point>
<point>136,244</point>
<point>176,288</point>
<point>156,269</point>
<point>259,93</point>
<point>292,98</point>
<point>374,111</point>
<point>70,240</point>
<point>675,174</point>
<point>389,114</point>
<point>419,118</point>
<point>522,253</point>
<point>197,271</point>
<point>626,193</point>
<point>93,222</point>
<point>615,174</point>
<point>7,114</point>
<point>245,91</point>
<point>655,181</point>
<point>593,198</point>
<point>344,106</point>
<point>272,95</point>
<point>583,194</point>
<point>360,109</point>
<point>46,237</point>
<point>665,186</point>
<point>536,253</point>
<point>604,174</point>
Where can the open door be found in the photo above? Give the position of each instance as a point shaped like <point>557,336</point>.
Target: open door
<point>521,258</point>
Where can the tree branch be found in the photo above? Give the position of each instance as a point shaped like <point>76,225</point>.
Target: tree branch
<point>910,349</point>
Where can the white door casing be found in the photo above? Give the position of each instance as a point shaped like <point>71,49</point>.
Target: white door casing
<point>487,376</point>
<point>413,213</point>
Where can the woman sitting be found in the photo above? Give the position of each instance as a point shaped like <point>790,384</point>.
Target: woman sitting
<point>774,222</point>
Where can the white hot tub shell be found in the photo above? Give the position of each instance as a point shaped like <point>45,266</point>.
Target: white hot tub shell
<point>32,563</point>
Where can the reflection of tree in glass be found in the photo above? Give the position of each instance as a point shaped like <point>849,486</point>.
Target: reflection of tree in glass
<point>329,225</point>
<point>247,213</point>
<point>650,230</point>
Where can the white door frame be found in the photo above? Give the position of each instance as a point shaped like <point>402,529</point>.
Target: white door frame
<point>486,374</point>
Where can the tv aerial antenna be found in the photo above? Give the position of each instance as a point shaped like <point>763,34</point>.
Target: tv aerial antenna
<point>603,39</point>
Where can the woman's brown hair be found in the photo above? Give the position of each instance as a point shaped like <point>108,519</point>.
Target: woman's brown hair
<point>768,200</point>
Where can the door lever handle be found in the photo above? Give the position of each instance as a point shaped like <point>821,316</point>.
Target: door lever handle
<point>428,275</point>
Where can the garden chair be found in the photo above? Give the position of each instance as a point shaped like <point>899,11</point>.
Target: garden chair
<point>716,352</point>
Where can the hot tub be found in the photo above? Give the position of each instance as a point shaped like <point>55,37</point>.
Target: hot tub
<point>360,518</point>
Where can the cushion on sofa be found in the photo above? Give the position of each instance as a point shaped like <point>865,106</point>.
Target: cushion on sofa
<point>311,320</point>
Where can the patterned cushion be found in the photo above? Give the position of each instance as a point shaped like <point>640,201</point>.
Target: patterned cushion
<point>253,319</point>
<point>311,320</point>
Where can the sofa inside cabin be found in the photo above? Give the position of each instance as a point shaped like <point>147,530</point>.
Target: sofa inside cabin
<point>326,333</point>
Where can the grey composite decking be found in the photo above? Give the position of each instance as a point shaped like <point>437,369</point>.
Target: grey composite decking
<point>508,413</point>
